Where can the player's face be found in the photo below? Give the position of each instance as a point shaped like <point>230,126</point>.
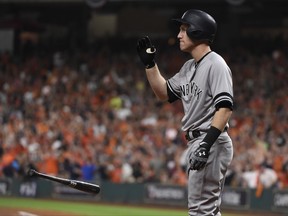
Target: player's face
<point>186,44</point>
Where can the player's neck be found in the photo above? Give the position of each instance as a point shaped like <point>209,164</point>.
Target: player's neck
<point>199,51</point>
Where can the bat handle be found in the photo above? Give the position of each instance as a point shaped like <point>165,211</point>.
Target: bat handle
<point>32,172</point>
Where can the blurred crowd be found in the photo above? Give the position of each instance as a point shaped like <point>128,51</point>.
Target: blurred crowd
<point>91,115</point>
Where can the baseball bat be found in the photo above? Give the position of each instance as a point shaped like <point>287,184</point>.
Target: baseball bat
<point>78,185</point>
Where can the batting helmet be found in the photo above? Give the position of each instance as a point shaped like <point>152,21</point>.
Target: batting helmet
<point>202,26</point>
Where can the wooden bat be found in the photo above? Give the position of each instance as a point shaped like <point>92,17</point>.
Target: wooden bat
<point>78,185</point>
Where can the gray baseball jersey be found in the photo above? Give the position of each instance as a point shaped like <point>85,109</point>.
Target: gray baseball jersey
<point>200,87</point>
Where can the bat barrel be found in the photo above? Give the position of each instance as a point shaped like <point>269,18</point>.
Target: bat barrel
<point>79,185</point>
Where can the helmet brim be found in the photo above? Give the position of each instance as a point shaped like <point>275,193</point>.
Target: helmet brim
<point>180,20</point>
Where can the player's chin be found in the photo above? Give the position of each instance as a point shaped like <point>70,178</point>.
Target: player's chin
<point>184,49</point>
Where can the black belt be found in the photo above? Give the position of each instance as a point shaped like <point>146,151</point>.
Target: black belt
<point>192,134</point>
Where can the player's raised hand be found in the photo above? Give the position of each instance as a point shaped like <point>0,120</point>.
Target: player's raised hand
<point>199,158</point>
<point>146,52</point>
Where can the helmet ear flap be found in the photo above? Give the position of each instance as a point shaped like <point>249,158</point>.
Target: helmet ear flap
<point>194,34</point>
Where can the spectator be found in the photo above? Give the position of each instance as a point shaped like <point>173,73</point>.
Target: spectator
<point>88,170</point>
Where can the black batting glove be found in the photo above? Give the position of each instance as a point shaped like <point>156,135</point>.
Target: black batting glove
<point>146,52</point>
<point>199,158</point>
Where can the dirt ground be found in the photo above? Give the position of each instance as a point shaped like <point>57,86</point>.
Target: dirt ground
<point>31,212</point>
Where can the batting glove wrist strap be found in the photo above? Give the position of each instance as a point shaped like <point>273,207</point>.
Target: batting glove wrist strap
<point>146,52</point>
<point>150,65</point>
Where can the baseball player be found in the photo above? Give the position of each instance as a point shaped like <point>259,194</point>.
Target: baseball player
<point>204,85</point>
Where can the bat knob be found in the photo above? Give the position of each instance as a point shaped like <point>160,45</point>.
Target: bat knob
<point>31,172</point>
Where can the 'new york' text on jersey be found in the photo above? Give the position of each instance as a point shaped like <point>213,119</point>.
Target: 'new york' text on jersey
<point>201,87</point>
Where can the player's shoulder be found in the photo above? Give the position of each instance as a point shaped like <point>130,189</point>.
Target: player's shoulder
<point>218,63</point>
<point>188,64</point>
<point>215,58</point>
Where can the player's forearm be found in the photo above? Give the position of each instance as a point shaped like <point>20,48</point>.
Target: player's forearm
<point>221,118</point>
<point>157,83</point>
<point>218,124</point>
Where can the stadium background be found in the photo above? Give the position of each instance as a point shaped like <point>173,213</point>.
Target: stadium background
<point>74,101</point>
